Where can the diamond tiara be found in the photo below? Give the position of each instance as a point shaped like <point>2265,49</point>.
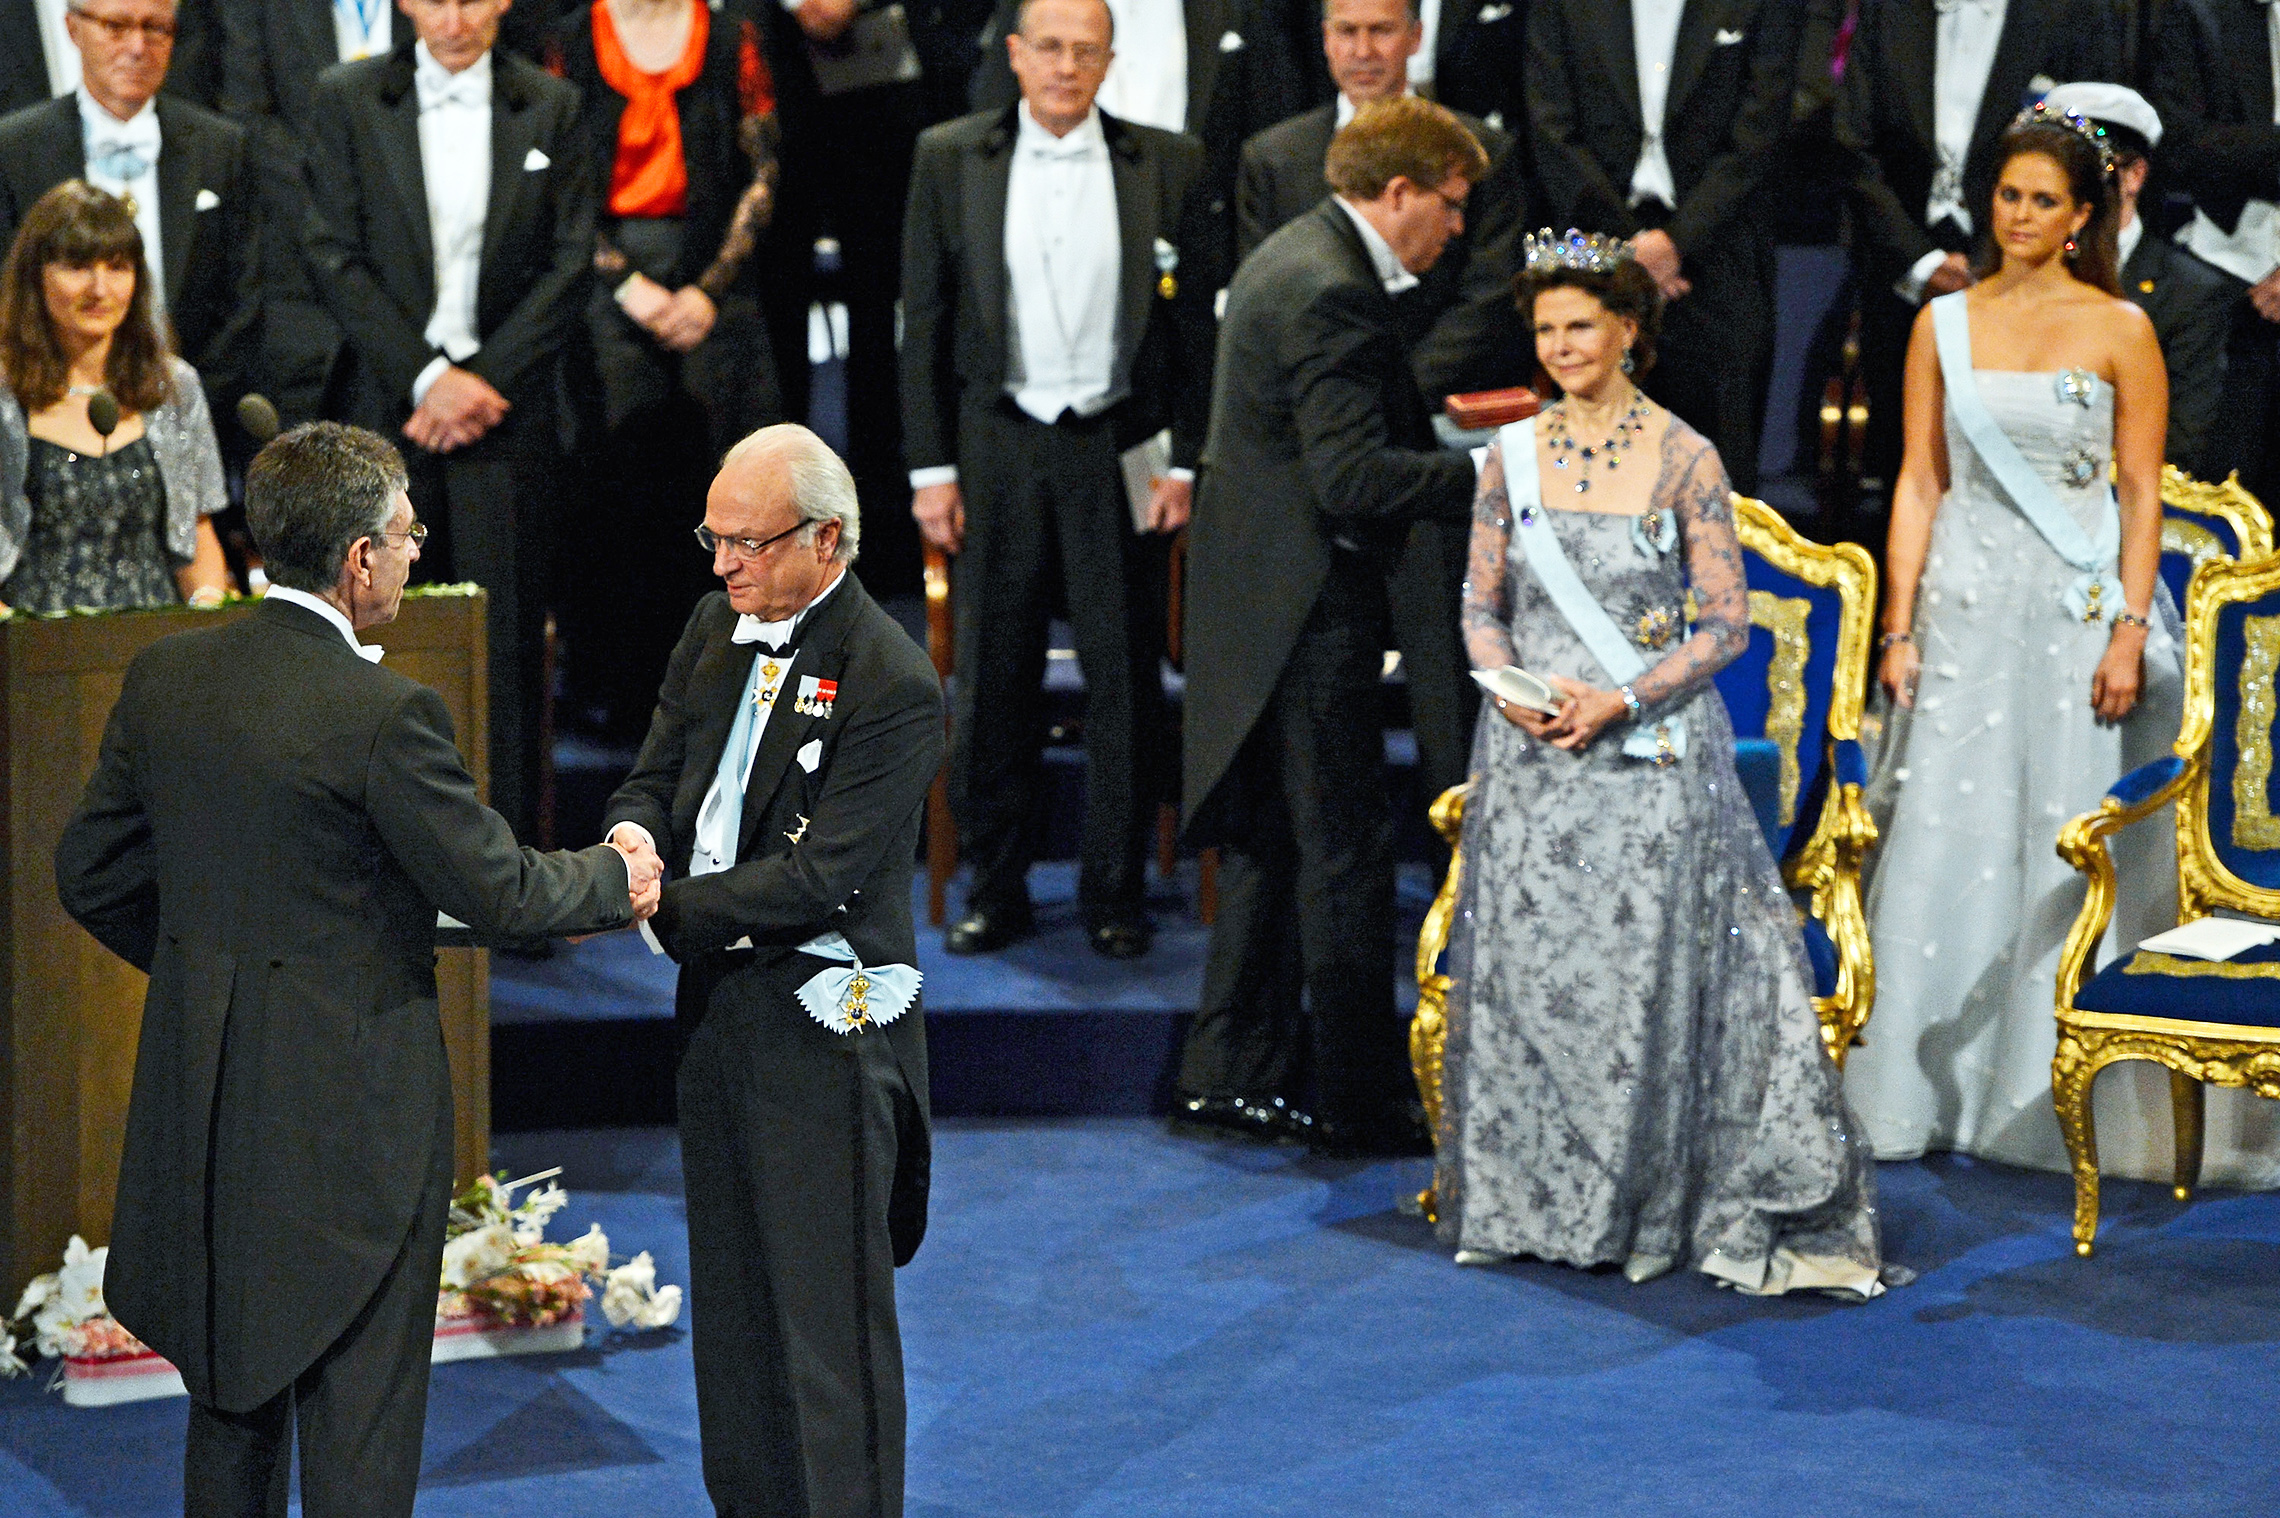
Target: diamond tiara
<point>2040,114</point>
<point>1592,252</point>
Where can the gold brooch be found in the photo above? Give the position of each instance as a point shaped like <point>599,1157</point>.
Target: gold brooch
<point>1655,627</point>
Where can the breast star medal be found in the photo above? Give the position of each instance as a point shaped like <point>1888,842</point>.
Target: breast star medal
<point>1655,627</point>
<point>796,834</point>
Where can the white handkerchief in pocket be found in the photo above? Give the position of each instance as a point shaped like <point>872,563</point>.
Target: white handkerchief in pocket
<point>1726,38</point>
<point>534,160</point>
<point>811,754</point>
<point>207,200</point>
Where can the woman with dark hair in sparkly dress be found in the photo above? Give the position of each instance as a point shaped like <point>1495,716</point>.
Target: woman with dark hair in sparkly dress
<point>1633,1072</point>
<point>98,518</point>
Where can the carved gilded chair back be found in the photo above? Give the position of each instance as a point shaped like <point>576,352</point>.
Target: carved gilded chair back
<point>2201,523</point>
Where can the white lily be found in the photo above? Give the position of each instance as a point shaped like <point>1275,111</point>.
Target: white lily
<point>631,1296</point>
<point>591,1250</point>
<point>476,1254</point>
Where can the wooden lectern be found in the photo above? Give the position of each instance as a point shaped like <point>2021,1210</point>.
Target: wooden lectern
<point>70,1013</point>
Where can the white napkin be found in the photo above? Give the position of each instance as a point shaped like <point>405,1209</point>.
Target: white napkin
<point>2212,938</point>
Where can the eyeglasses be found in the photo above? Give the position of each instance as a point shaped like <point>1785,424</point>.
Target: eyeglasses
<point>417,532</point>
<point>114,29</point>
<point>746,549</point>
<point>1085,55</point>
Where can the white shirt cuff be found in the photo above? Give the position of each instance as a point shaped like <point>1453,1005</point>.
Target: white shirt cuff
<point>428,377</point>
<point>637,828</point>
<point>940,474</point>
<point>1910,286</point>
<point>1183,476</point>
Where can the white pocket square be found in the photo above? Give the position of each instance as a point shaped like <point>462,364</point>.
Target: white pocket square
<point>1728,39</point>
<point>1494,12</point>
<point>207,200</point>
<point>811,754</point>
<point>534,160</point>
<point>1231,42</point>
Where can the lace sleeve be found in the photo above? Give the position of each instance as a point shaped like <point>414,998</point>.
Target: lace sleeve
<point>1488,598</point>
<point>1694,484</point>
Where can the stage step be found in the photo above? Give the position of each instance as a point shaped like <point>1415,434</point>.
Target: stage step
<point>1044,1029</point>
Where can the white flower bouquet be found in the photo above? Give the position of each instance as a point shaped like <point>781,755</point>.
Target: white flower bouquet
<point>507,1290</point>
<point>99,1361</point>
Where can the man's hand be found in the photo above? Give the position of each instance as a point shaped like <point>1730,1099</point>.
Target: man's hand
<point>1658,255</point>
<point>460,407</point>
<point>941,513</point>
<point>824,20</point>
<point>685,320</point>
<point>1170,503</point>
<point>2265,296</point>
<point>1953,274</point>
<point>644,871</point>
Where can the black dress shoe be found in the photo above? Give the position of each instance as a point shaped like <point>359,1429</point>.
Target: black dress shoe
<point>1398,1134</point>
<point>1121,936</point>
<point>1269,1119</point>
<point>985,930</point>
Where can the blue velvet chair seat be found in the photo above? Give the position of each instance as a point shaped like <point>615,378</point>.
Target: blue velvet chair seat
<point>2244,990</point>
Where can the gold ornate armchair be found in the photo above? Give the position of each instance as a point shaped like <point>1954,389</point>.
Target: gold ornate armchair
<point>2201,522</point>
<point>1795,699</point>
<point>2209,1022</point>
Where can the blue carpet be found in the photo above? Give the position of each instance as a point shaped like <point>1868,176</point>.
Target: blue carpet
<point>1107,1321</point>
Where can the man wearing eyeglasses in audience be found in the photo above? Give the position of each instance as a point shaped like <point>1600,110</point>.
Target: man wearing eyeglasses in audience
<point>182,168</point>
<point>1053,318</point>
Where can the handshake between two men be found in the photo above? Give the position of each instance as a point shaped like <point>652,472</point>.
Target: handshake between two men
<point>644,871</point>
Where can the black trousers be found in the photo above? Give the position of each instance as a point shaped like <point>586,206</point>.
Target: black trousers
<point>1046,511</point>
<point>846,175</point>
<point>1714,358</point>
<point>1425,605</point>
<point>495,516</point>
<point>1885,322</point>
<point>359,1410</point>
<point>790,1137</point>
<point>2244,436</point>
<point>1310,858</point>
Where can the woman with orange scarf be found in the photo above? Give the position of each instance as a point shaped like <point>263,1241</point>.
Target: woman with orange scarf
<point>678,131</point>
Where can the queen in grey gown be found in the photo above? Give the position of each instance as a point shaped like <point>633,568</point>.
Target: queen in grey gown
<point>1968,902</point>
<point>1634,1072</point>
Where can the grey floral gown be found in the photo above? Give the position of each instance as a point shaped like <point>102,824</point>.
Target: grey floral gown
<point>1634,1073</point>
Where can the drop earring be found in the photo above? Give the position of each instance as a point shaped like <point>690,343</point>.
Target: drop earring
<point>1630,364</point>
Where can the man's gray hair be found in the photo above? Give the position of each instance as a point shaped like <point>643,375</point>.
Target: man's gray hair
<point>822,489</point>
<point>312,492</point>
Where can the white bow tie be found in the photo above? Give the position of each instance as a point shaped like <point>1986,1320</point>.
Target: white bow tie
<point>750,629</point>
<point>369,652</point>
<point>1946,6</point>
<point>467,89</point>
<point>126,149</point>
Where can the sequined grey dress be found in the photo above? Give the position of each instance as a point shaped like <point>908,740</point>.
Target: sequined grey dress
<point>95,540</point>
<point>1968,902</point>
<point>1634,1073</point>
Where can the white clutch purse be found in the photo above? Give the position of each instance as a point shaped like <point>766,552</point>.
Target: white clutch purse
<point>1516,685</point>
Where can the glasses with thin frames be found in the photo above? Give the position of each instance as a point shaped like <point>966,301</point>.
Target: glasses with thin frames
<point>1085,55</point>
<point>117,29</point>
<point>417,533</point>
<point>747,549</point>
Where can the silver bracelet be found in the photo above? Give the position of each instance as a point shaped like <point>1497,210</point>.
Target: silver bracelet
<point>2132,619</point>
<point>1630,701</point>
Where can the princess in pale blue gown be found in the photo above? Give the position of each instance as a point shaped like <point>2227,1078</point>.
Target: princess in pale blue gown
<point>2030,665</point>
